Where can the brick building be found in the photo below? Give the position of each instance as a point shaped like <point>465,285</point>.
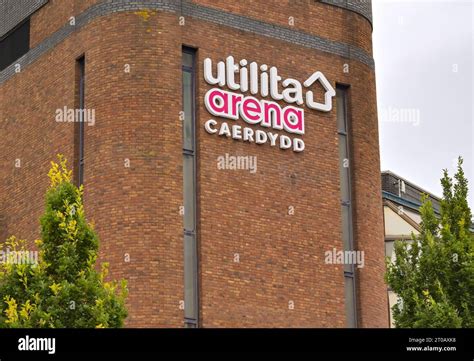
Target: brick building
<point>176,96</point>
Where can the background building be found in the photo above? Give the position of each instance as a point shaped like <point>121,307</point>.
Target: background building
<point>200,245</point>
<point>401,204</point>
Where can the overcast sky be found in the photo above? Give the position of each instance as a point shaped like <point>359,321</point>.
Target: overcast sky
<point>424,64</point>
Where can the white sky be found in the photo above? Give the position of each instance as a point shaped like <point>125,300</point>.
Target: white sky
<point>425,107</point>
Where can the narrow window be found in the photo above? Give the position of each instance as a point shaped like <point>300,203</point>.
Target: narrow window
<point>346,205</point>
<point>79,123</point>
<point>191,307</point>
<point>14,44</point>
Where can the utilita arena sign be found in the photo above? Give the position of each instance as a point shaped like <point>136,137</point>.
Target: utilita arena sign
<point>264,82</point>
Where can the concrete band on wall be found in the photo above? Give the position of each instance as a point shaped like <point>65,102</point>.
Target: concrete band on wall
<point>13,12</point>
<point>361,7</point>
<point>186,8</point>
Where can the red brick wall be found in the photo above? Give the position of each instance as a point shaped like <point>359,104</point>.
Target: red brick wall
<point>327,21</point>
<point>50,18</point>
<point>136,209</point>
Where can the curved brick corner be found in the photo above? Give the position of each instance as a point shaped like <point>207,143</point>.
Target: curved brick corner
<point>135,209</point>
<point>362,7</point>
<point>198,12</point>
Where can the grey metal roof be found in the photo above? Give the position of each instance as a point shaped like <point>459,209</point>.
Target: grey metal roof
<point>412,194</point>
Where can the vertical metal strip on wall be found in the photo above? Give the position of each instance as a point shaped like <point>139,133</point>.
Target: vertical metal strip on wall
<point>80,126</point>
<point>191,297</point>
<point>343,130</point>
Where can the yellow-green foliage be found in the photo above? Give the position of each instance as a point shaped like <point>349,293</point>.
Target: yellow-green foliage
<point>62,289</point>
<point>433,276</point>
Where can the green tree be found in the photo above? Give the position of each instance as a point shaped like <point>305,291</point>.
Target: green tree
<point>63,288</point>
<point>433,275</point>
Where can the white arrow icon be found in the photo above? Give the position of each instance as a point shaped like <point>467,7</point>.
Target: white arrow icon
<point>330,92</point>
